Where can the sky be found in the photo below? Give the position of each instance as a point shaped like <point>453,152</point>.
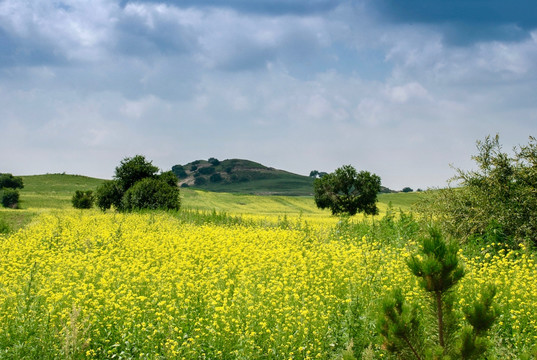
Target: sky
<point>403,89</point>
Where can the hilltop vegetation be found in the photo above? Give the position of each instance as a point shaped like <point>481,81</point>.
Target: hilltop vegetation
<point>246,177</point>
<point>241,176</point>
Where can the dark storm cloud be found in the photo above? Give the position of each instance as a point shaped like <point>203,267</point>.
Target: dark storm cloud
<point>464,22</point>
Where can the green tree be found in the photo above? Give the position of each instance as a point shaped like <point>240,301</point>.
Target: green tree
<point>134,169</point>
<point>502,190</point>
<point>137,185</point>
<point>439,271</point>
<point>150,193</point>
<point>10,198</point>
<point>407,189</point>
<point>10,181</point>
<point>108,194</point>
<point>345,191</point>
<point>83,199</point>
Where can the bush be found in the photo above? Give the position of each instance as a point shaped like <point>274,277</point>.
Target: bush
<point>215,178</point>
<point>109,194</point>
<point>10,181</point>
<point>169,178</point>
<point>131,170</point>
<point>154,194</point>
<point>214,161</point>
<point>10,198</point>
<point>83,199</point>
<point>179,171</point>
<point>501,192</point>
<point>200,180</point>
<point>207,170</point>
<point>193,168</point>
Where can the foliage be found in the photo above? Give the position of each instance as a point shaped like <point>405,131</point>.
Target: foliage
<point>10,181</point>
<point>200,180</point>
<point>153,194</point>
<point>108,194</point>
<point>83,199</point>
<point>347,192</point>
<point>407,189</point>
<point>136,185</point>
<point>214,161</point>
<point>179,171</point>
<point>215,178</point>
<point>438,270</point>
<point>207,170</point>
<point>169,178</point>
<point>502,190</point>
<point>10,198</point>
<point>131,170</point>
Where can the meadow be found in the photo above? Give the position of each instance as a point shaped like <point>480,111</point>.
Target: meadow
<point>227,277</point>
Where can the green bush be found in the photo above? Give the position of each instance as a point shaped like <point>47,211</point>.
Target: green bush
<point>10,181</point>
<point>83,199</point>
<point>207,170</point>
<point>500,192</point>
<point>215,178</point>
<point>154,194</point>
<point>346,191</point>
<point>200,180</point>
<point>108,194</point>
<point>10,198</point>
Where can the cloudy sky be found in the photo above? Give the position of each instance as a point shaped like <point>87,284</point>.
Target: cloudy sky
<point>399,88</point>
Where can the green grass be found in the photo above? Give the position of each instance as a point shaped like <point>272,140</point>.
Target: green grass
<point>54,191</point>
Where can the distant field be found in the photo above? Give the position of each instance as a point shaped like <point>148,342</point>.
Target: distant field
<point>54,191</point>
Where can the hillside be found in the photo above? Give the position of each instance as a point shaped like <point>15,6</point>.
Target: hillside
<point>245,177</point>
<point>242,176</point>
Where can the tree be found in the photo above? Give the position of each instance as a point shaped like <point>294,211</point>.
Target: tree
<point>137,185</point>
<point>500,193</point>
<point>438,269</point>
<point>214,161</point>
<point>346,191</point>
<point>407,189</point>
<point>134,169</point>
<point>109,194</point>
<point>10,198</point>
<point>150,193</point>
<point>10,181</point>
<point>83,199</point>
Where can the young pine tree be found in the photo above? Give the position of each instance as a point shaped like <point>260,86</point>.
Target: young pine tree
<point>438,269</point>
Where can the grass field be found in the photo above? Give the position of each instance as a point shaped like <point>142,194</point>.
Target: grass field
<point>54,191</point>
<point>229,276</point>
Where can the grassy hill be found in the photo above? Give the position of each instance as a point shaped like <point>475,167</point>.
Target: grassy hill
<point>242,176</point>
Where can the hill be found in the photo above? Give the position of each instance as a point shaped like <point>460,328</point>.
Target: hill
<point>245,177</point>
<point>242,176</point>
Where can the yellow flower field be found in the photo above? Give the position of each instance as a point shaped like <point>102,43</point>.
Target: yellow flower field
<point>93,285</point>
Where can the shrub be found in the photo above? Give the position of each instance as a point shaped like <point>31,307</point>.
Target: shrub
<point>215,178</point>
<point>179,171</point>
<point>83,199</point>
<point>200,180</point>
<point>207,170</point>
<point>131,170</point>
<point>108,194</point>
<point>214,161</point>
<point>501,192</point>
<point>193,168</point>
<point>10,198</point>
<point>154,194</point>
<point>169,178</point>
<point>10,181</point>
